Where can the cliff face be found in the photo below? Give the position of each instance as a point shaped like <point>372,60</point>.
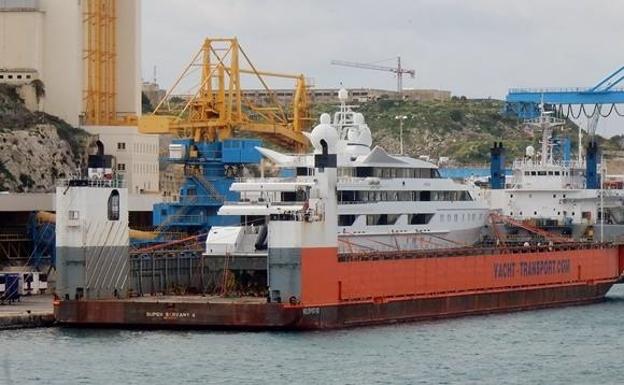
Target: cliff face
<point>36,149</point>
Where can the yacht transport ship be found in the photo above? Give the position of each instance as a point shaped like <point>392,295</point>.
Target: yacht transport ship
<point>311,283</point>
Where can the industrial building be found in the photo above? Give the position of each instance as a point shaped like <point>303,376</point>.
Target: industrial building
<point>92,78</point>
<point>330,95</point>
<point>87,56</point>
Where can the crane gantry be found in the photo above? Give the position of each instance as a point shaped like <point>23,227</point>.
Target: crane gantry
<point>216,106</point>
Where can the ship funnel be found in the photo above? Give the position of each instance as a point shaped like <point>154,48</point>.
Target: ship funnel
<point>497,166</point>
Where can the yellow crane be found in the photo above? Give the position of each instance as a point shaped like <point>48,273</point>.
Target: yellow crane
<point>100,55</point>
<point>217,107</point>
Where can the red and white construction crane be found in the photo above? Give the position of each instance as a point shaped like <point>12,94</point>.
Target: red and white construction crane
<point>398,70</point>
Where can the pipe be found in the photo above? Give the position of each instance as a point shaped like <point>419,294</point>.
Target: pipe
<point>48,217</point>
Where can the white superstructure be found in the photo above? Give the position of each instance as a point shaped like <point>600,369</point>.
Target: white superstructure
<point>553,192</point>
<point>385,201</point>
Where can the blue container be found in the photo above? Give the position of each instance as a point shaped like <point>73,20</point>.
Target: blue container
<point>11,288</point>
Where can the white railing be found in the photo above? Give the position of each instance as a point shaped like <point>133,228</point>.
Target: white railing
<point>85,182</point>
<point>536,165</point>
<point>550,90</point>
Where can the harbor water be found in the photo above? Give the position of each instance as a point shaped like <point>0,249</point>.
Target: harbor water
<point>574,345</point>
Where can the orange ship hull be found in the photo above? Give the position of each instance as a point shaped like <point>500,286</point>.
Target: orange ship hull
<point>355,290</point>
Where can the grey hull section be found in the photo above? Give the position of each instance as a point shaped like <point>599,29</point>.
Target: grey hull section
<point>92,272</point>
<point>284,273</point>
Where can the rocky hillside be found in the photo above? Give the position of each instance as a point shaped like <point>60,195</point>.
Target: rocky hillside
<point>35,148</point>
<point>460,129</point>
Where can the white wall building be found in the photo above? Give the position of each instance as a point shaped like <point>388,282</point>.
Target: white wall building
<point>45,39</point>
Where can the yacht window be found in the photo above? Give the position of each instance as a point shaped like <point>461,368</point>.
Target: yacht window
<point>541,173</point>
<point>303,171</point>
<point>347,196</point>
<point>346,220</point>
<point>448,217</point>
<point>533,173</point>
<point>556,173</point>
<point>420,219</point>
<point>474,217</point>
<point>381,219</point>
<point>550,173</point>
<point>404,195</point>
<point>344,171</point>
<point>294,196</point>
<point>527,173</point>
<point>363,172</point>
<point>456,216</point>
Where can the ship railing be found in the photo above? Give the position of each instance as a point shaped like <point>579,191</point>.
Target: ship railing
<point>466,251</point>
<point>198,199</point>
<point>551,90</point>
<point>528,163</point>
<point>273,179</point>
<point>93,182</point>
<point>188,219</point>
<point>264,203</point>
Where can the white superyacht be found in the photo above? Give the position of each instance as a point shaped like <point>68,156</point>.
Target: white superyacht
<point>386,201</point>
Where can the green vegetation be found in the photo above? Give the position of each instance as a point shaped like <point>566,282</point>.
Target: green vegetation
<point>461,129</point>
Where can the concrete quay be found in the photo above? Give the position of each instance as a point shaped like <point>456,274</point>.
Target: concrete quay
<point>30,312</point>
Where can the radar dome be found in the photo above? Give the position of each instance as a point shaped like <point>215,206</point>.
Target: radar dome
<point>530,151</point>
<point>343,95</point>
<point>324,132</point>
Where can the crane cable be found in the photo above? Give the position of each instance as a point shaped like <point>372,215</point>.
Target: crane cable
<point>582,111</point>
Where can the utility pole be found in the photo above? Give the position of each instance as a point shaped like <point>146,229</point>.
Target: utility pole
<point>401,118</point>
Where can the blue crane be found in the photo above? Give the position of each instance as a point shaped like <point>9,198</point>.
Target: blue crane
<point>528,103</point>
<point>525,102</point>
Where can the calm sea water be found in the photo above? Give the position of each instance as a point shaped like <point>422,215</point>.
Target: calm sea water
<point>576,345</point>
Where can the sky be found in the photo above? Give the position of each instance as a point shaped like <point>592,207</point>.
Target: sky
<point>475,48</point>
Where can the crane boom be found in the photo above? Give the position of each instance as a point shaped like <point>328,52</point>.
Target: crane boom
<point>398,70</point>
<point>217,106</point>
